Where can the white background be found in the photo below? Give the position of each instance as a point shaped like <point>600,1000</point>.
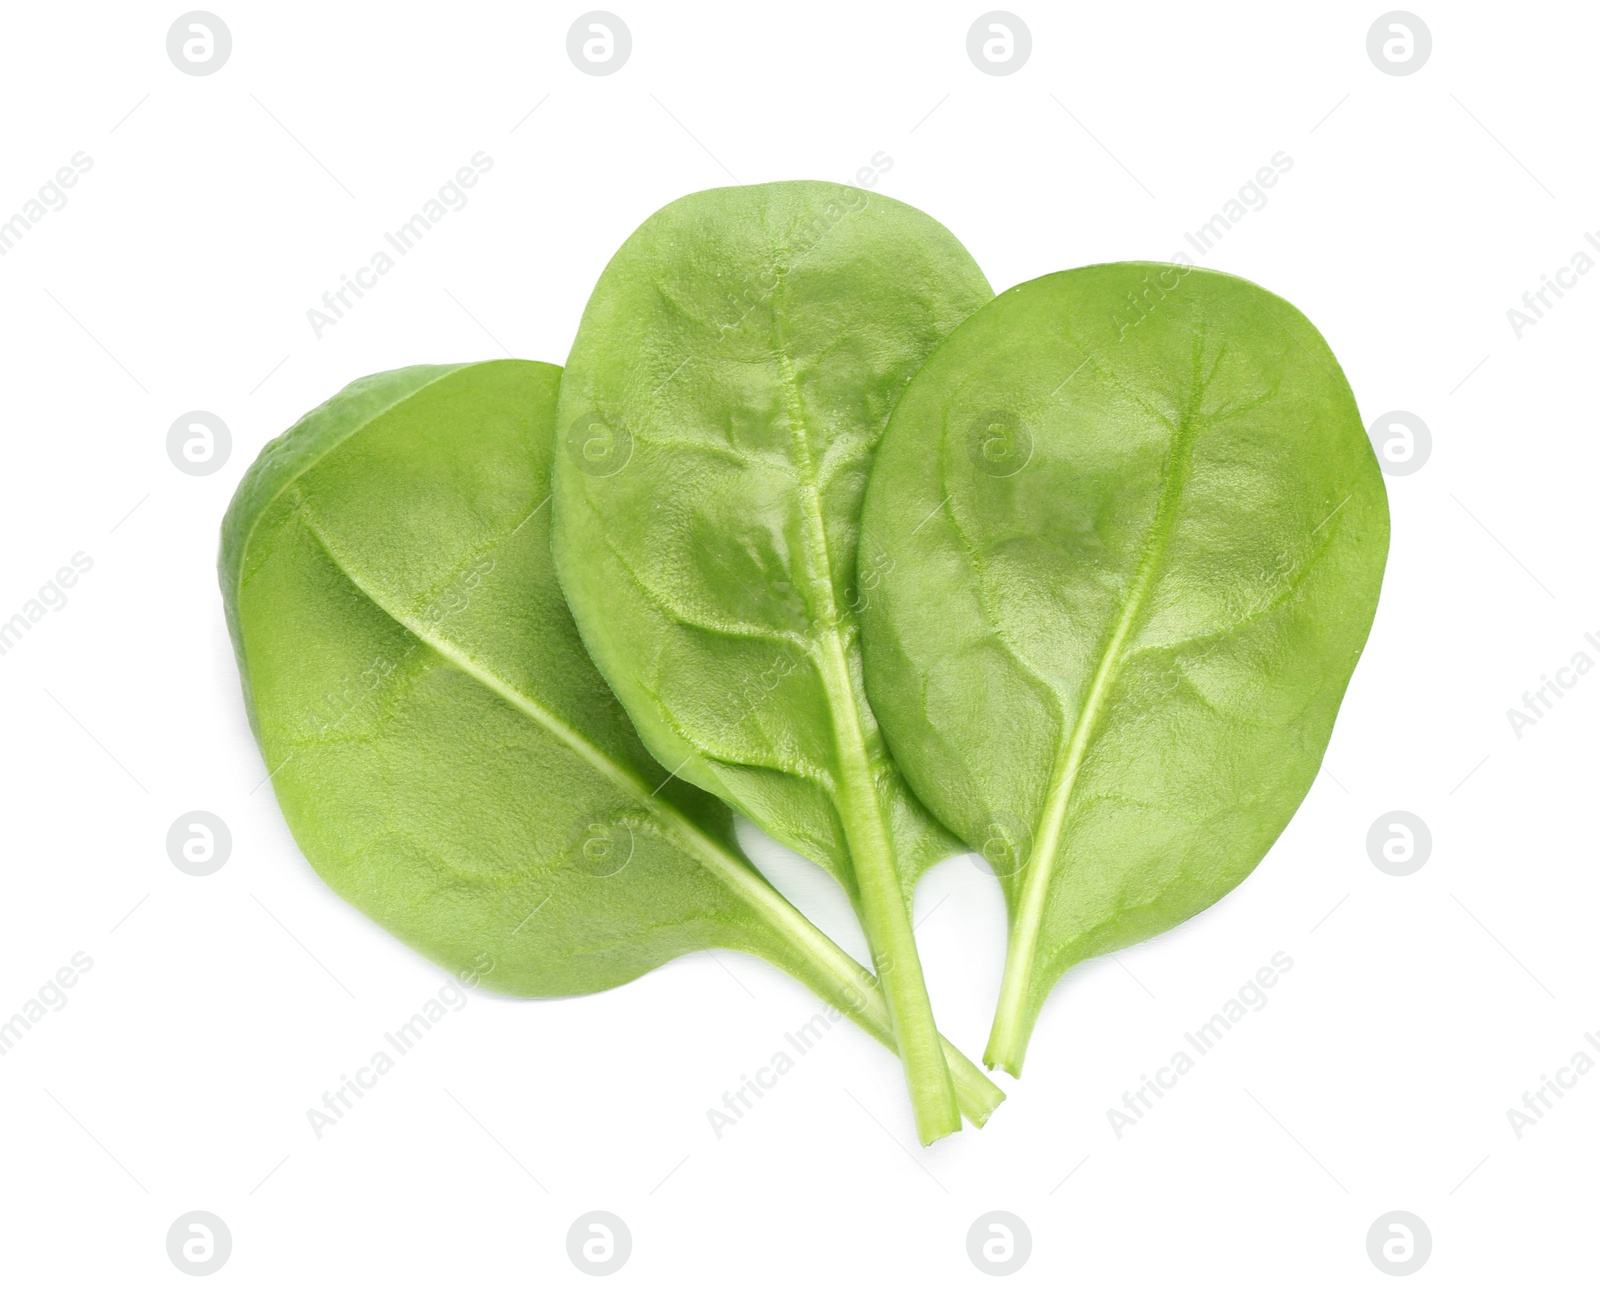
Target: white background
<point>219,1009</point>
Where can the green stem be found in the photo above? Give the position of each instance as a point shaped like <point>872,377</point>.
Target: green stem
<point>885,916</point>
<point>855,992</point>
<point>797,945</point>
<point>817,962</point>
<point>1016,1011</point>
<point>887,922</point>
<point>883,906</point>
<point>976,1093</point>
<point>1013,1017</point>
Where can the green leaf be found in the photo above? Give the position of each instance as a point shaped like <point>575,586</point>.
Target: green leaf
<point>1133,533</point>
<point>444,752</point>
<point>734,370</point>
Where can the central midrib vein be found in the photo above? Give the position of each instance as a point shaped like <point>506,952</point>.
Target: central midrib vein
<point>1071,752</point>
<point>837,976</point>
<point>849,738</point>
<point>880,891</point>
<point>745,881</point>
<point>465,663</point>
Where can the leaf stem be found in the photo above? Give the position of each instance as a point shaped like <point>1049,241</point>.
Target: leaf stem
<point>855,992</point>
<point>884,908</point>
<point>801,949</point>
<point>792,942</point>
<point>1018,1006</point>
<point>885,915</point>
<point>1013,1018</point>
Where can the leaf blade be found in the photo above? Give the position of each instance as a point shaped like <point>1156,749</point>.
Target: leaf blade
<point>732,374</point>
<point>408,517</point>
<point>1153,608</point>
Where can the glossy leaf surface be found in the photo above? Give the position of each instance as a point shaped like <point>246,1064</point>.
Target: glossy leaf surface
<point>1133,534</point>
<point>445,753</point>
<point>734,369</point>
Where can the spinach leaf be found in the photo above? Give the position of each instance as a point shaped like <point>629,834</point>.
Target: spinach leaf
<point>443,750</point>
<point>733,372</point>
<point>1136,535</point>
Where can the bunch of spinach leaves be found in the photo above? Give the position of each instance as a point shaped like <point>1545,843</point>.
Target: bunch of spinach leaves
<point>815,528</point>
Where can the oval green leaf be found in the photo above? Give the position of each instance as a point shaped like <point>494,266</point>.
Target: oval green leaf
<point>1134,534</point>
<point>445,753</point>
<point>733,372</point>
